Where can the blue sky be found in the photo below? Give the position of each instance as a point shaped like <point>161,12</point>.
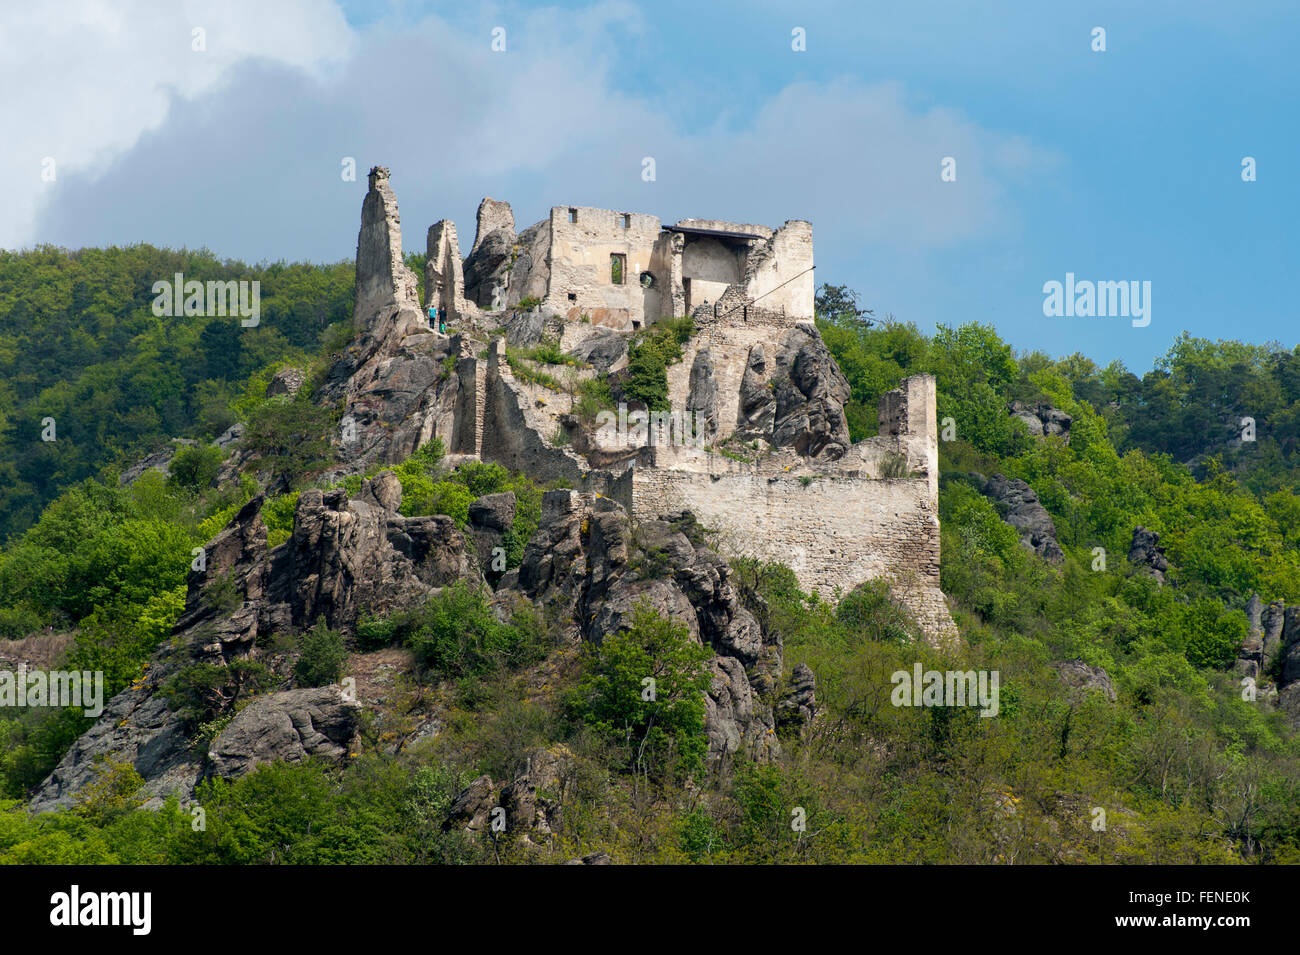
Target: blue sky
<point>1122,165</point>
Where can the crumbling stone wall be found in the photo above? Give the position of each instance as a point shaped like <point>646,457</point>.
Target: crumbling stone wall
<point>579,281</point>
<point>836,525</point>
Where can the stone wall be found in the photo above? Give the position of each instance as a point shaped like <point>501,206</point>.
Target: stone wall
<point>835,525</point>
<point>579,280</point>
<point>778,273</point>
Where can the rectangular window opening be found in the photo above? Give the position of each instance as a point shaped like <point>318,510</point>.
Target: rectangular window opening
<point>617,266</point>
<point>573,215</point>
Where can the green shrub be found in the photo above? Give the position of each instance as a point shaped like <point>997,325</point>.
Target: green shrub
<point>321,655</point>
<point>195,466</point>
<point>649,358</point>
<point>375,633</point>
<point>456,634</point>
<point>659,728</point>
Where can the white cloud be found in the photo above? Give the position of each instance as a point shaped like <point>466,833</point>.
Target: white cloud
<point>248,148</point>
<point>84,79</point>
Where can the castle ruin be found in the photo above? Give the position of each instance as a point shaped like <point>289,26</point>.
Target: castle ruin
<point>774,474</point>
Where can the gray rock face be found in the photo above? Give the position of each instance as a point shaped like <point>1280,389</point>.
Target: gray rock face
<point>702,400</point>
<point>1080,676</point>
<point>487,268</point>
<point>601,580</point>
<point>604,350</point>
<point>286,381</point>
<point>811,393</point>
<point>159,461</point>
<point>494,511</point>
<point>486,271</point>
<point>1042,419</point>
<point>285,727</point>
<point>757,401</point>
<point>524,329</point>
<point>1020,508</point>
<point>526,806</point>
<point>798,705</point>
<point>1146,553</point>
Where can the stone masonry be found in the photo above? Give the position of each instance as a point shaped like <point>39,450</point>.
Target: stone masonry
<point>792,487</point>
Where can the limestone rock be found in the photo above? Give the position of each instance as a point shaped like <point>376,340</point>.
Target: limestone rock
<point>811,393</point>
<point>1020,508</point>
<point>1080,676</point>
<point>1042,419</point>
<point>1145,553</point>
<point>285,727</point>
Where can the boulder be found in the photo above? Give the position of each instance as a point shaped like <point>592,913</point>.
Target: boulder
<point>285,727</point>
<point>1021,509</point>
<point>1078,675</point>
<point>1042,419</point>
<point>604,350</point>
<point>1146,554</point>
<point>493,511</point>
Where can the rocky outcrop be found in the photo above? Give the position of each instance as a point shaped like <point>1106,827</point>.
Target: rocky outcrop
<point>344,557</point>
<point>383,280</point>
<point>1146,554</point>
<point>798,704</point>
<point>525,808</point>
<point>1020,508</point>
<point>810,393</point>
<point>1081,677</point>
<point>487,268</point>
<point>394,382</point>
<point>757,402</point>
<point>605,350</point>
<point>702,400</point>
<point>586,561</point>
<point>285,727</point>
<point>1042,419</point>
<point>286,381</point>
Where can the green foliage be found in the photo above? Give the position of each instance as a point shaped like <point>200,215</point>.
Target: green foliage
<point>649,357</point>
<point>659,728</point>
<point>291,435</point>
<point>456,634</point>
<point>195,466</point>
<point>321,655</point>
<point>79,343</point>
